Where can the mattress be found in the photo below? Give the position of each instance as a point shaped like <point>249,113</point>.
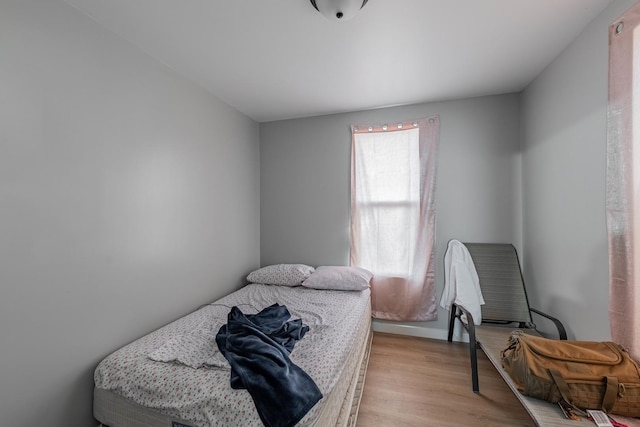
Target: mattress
<point>133,390</point>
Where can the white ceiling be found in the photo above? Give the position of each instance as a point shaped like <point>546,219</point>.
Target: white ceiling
<point>279,59</point>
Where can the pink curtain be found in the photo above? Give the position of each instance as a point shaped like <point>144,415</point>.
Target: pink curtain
<point>623,181</point>
<point>393,174</point>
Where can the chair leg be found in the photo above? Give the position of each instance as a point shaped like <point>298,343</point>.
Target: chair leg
<point>452,320</point>
<point>473,345</point>
<point>473,353</point>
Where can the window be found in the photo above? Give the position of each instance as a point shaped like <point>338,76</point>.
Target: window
<point>393,216</point>
<point>388,192</point>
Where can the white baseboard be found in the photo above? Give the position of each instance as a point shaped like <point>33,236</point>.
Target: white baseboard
<point>414,331</point>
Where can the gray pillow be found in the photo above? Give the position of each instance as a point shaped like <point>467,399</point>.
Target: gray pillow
<point>281,274</point>
<point>339,278</point>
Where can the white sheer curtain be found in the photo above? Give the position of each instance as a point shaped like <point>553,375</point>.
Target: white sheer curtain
<point>623,180</point>
<point>393,169</point>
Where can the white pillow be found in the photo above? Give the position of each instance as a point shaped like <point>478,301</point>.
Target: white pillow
<point>281,274</point>
<point>339,278</point>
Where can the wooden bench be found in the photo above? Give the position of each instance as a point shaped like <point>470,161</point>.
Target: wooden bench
<point>492,340</point>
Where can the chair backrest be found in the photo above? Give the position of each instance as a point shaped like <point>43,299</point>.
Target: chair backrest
<point>501,282</point>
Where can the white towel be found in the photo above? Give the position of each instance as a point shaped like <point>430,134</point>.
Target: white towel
<point>462,285</point>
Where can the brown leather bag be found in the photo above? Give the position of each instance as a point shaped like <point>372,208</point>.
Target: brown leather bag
<point>586,374</point>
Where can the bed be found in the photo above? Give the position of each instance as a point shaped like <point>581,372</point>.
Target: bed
<point>176,376</point>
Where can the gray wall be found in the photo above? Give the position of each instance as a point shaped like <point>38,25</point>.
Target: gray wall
<point>564,164</point>
<point>304,176</point>
<point>128,197</point>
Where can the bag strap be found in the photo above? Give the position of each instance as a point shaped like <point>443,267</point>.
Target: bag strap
<point>563,388</point>
<point>610,393</point>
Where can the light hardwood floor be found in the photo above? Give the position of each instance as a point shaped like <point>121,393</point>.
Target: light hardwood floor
<point>424,382</point>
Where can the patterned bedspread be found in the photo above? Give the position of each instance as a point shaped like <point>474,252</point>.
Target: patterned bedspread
<point>203,395</point>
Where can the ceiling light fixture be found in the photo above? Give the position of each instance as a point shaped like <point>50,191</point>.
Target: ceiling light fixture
<point>338,10</point>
